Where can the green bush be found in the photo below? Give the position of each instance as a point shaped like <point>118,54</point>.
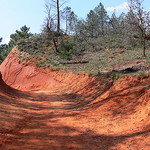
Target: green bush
<point>66,54</point>
<point>66,49</point>
<point>37,64</point>
<point>69,44</point>
<point>40,63</point>
<point>34,45</point>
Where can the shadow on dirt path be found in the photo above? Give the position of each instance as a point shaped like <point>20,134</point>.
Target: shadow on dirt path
<point>32,121</point>
<point>82,119</point>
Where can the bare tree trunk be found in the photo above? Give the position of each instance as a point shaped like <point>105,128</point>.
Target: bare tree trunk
<point>144,47</point>
<point>58,17</point>
<point>54,41</point>
<point>141,21</point>
<point>66,25</point>
<point>143,40</point>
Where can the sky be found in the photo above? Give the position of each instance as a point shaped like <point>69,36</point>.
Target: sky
<point>16,13</point>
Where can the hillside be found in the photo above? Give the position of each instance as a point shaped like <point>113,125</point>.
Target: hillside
<point>73,83</point>
<point>104,54</point>
<point>55,109</point>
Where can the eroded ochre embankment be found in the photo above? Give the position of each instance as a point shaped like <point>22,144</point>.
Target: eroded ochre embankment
<point>55,110</point>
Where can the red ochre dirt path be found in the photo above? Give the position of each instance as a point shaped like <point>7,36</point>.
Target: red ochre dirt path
<point>54,110</point>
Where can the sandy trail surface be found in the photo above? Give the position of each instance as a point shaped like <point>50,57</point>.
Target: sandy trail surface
<point>64,111</point>
<point>53,120</point>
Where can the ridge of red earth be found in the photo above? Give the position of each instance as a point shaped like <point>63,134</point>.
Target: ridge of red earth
<point>24,76</point>
<point>49,109</point>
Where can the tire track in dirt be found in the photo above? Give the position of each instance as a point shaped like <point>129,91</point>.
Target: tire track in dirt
<point>46,127</point>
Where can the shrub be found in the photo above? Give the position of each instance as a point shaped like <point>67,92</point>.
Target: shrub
<point>66,54</point>
<point>66,49</point>
<point>37,64</point>
<point>35,44</point>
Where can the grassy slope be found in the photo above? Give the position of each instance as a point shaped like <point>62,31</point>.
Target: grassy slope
<point>103,55</point>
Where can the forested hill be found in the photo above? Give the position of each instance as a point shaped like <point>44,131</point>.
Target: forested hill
<point>96,43</point>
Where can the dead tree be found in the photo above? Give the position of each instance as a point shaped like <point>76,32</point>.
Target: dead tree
<point>57,5</point>
<point>140,21</point>
<point>49,27</point>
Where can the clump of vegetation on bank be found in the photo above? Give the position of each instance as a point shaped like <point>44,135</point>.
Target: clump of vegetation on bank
<point>94,44</point>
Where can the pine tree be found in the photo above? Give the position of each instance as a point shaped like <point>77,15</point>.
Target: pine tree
<point>22,34</point>
<point>91,23</point>
<point>102,19</point>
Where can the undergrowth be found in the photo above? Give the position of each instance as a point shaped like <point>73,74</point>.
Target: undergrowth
<point>101,53</point>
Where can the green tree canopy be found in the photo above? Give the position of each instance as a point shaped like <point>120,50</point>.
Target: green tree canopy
<point>22,34</point>
<point>96,21</point>
<point>102,19</point>
<point>91,23</point>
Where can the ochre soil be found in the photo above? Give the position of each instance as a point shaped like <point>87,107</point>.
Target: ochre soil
<point>54,110</point>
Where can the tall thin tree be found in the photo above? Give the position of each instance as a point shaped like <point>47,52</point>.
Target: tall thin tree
<point>57,5</point>
<point>140,21</point>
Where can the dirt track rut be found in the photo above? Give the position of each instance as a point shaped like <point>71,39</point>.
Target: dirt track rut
<point>78,112</point>
<point>44,120</point>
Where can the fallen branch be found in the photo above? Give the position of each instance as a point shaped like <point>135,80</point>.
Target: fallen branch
<point>76,62</point>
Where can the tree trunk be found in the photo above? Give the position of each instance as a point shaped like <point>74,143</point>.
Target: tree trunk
<point>144,45</point>
<point>55,45</point>
<point>58,17</point>
<point>66,24</point>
